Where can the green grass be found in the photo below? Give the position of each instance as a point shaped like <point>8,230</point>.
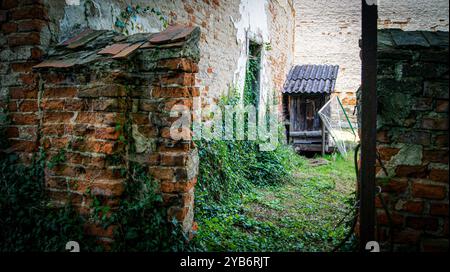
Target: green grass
<point>299,214</point>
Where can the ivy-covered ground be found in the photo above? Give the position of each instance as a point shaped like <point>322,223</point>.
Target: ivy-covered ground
<point>297,214</point>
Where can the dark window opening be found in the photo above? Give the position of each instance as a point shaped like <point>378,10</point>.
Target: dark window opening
<point>252,75</point>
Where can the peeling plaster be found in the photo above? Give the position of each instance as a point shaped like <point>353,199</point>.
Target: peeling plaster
<point>253,25</point>
<point>408,155</point>
<point>102,15</point>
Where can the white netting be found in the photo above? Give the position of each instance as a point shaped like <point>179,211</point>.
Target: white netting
<point>338,125</point>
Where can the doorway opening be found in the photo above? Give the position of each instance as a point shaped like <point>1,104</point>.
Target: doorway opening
<point>253,75</point>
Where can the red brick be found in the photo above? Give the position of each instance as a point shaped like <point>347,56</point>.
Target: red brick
<point>59,142</point>
<point>29,12</point>
<point>57,130</point>
<point>439,209</point>
<point>76,105</point>
<point>37,54</point>
<point>437,156</point>
<point>12,132</point>
<point>109,133</point>
<point>397,185</point>
<point>184,65</point>
<point>52,104</point>
<point>60,92</point>
<point>100,118</point>
<point>161,173</point>
<point>31,25</point>
<point>442,106</point>
<point>113,104</point>
<point>23,67</point>
<point>175,147</point>
<point>28,106</point>
<point>386,199</point>
<point>428,191</point>
<point>23,145</point>
<point>171,92</point>
<point>412,207</point>
<point>435,123</point>
<point>441,140</point>
<point>99,231</point>
<point>407,236</point>
<point>182,79</point>
<point>9,4</point>
<point>85,130</point>
<point>24,118</point>
<point>173,159</point>
<point>382,218</point>
<point>169,104</point>
<point>420,171</point>
<point>386,153</point>
<point>31,38</point>
<point>439,175</point>
<point>53,78</point>
<point>8,28</point>
<point>422,223</point>
<point>58,117</point>
<point>12,106</point>
<point>23,93</point>
<point>171,187</point>
<point>28,79</point>
<point>95,146</point>
<point>140,118</point>
<point>178,213</point>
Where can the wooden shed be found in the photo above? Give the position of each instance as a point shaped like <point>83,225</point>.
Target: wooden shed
<point>306,90</point>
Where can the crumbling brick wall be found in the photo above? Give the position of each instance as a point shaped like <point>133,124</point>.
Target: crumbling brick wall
<point>24,40</point>
<point>223,51</point>
<point>99,108</point>
<point>412,139</point>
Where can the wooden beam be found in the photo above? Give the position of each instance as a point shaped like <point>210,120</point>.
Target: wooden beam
<point>311,133</point>
<point>368,120</point>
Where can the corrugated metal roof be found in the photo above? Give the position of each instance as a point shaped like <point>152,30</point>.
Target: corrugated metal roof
<point>311,79</point>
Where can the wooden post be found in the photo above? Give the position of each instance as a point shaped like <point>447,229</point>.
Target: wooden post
<point>323,138</point>
<point>368,120</point>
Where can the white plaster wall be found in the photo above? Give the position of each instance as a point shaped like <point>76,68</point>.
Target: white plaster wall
<point>327,32</point>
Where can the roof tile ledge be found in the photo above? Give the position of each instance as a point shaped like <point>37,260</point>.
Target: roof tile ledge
<point>92,46</point>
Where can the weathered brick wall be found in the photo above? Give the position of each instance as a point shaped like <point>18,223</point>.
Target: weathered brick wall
<point>24,39</point>
<point>84,108</point>
<point>98,113</point>
<point>412,139</point>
